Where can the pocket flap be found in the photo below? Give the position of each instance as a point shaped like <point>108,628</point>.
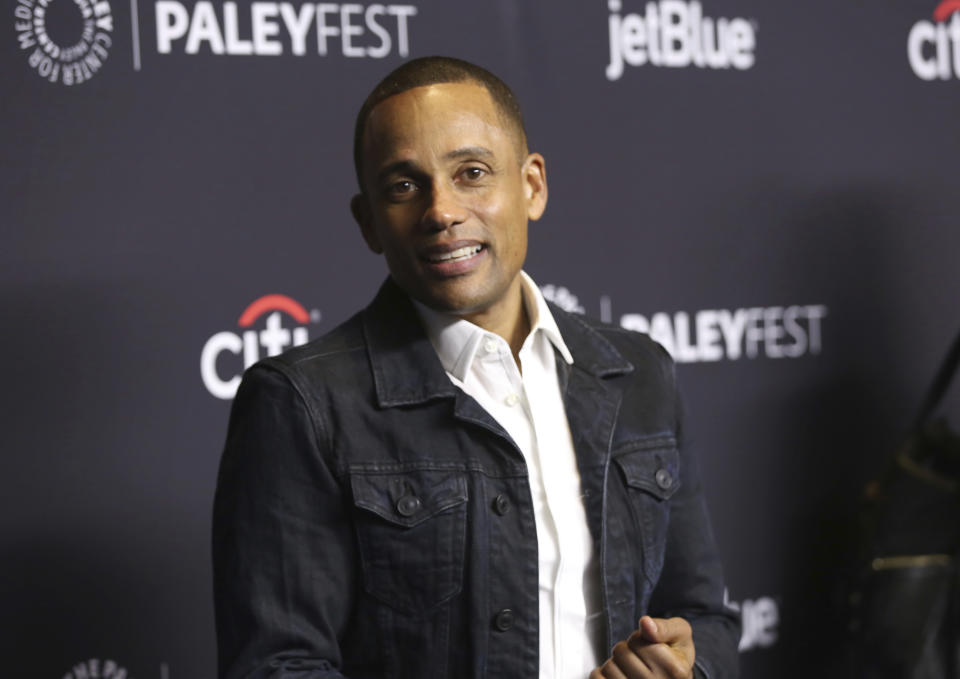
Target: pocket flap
<point>408,498</point>
<point>655,471</point>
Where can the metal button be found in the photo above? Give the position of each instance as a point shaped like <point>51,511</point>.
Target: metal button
<point>511,400</point>
<point>503,620</point>
<point>490,345</point>
<point>501,505</point>
<point>664,479</point>
<point>408,505</point>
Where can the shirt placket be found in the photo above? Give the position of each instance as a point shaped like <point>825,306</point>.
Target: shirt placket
<point>508,388</point>
<point>554,476</point>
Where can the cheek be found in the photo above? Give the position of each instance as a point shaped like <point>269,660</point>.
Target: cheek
<point>512,225</point>
<point>394,225</point>
<point>502,212</point>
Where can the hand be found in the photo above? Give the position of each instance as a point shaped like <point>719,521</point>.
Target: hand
<point>660,649</point>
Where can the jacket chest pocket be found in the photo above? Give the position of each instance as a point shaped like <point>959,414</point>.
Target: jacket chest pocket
<point>411,530</point>
<point>651,477</point>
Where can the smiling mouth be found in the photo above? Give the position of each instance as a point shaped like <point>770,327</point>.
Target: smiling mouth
<point>457,255</point>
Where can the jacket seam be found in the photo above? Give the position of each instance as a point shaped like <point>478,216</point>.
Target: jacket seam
<point>324,354</point>
<point>346,468</point>
<point>316,420</point>
<point>651,442</point>
<point>603,523</point>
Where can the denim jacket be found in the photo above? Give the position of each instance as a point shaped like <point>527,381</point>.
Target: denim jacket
<point>371,520</point>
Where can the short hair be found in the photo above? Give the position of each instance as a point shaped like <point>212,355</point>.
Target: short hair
<point>433,71</point>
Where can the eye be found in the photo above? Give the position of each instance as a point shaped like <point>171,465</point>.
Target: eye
<point>473,174</point>
<point>403,187</point>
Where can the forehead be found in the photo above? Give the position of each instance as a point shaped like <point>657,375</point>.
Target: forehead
<point>434,118</point>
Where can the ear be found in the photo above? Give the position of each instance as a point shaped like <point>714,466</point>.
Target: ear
<point>534,175</point>
<point>361,213</point>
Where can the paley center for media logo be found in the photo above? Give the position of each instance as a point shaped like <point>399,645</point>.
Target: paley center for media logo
<point>95,668</point>
<point>227,353</point>
<point>933,47</point>
<point>68,41</point>
<point>677,34</point>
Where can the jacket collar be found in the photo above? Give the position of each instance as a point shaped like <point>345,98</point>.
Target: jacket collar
<point>457,340</point>
<point>591,351</point>
<point>405,366</point>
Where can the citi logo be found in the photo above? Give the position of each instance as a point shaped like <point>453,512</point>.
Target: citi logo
<point>221,352</point>
<point>675,34</point>
<point>933,47</point>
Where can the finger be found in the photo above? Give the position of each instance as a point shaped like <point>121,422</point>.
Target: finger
<point>631,664</point>
<point>665,630</point>
<point>683,650</point>
<point>665,661</point>
<point>608,670</point>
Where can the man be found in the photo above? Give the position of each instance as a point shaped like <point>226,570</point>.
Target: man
<point>461,480</point>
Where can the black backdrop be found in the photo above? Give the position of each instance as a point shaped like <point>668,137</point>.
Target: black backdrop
<point>786,223</point>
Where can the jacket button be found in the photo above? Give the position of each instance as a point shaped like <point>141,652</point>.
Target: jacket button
<point>408,505</point>
<point>501,505</point>
<point>664,479</point>
<point>503,620</point>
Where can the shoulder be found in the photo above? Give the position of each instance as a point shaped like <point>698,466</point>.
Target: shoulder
<point>338,356</point>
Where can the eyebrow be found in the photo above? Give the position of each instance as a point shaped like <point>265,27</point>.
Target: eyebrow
<point>399,167</point>
<point>469,151</point>
<point>407,167</point>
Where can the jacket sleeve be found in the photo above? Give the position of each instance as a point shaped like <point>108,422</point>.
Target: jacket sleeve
<point>691,584</point>
<point>283,552</point>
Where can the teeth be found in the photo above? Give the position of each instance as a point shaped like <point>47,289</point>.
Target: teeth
<point>461,253</point>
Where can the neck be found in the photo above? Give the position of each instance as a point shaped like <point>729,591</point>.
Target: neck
<point>508,319</point>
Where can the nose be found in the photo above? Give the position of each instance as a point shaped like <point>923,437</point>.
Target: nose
<point>444,209</point>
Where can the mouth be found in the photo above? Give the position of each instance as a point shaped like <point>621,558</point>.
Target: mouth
<point>458,255</point>
<point>454,259</point>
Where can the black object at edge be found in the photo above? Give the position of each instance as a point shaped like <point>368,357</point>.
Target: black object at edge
<point>940,384</point>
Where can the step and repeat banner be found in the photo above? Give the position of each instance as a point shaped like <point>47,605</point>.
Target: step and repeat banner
<point>769,189</point>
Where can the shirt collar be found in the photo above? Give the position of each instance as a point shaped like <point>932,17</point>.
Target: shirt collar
<point>456,340</point>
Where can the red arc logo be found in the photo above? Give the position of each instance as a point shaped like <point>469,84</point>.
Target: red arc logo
<point>945,9</point>
<point>273,303</point>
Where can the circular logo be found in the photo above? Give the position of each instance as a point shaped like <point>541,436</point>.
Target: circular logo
<point>94,668</point>
<point>67,41</point>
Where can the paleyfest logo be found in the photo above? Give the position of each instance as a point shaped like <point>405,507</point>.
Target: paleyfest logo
<point>706,335</point>
<point>230,353</point>
<point>275,28</point>
<point>933,47</point>
<point>67,41</point>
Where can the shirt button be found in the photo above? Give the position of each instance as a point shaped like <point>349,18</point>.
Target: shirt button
<point>501,505</point>
<point>490,345</point>
<point>408,505</point>
<point>512,400</point>
<point>664,479</point>
<point>503,620</point>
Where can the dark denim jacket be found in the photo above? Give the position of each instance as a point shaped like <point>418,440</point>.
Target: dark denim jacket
<point>372,520</point>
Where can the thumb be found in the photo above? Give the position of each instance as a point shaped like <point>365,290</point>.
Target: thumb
<point>664,630</point>
<point>650,629</point>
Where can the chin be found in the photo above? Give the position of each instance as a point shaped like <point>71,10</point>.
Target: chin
<point>455,304</point>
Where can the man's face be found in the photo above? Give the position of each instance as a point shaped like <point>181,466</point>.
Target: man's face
<point>449,189</point>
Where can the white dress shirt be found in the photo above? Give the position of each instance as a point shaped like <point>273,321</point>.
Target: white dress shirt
<point>530,407</point>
